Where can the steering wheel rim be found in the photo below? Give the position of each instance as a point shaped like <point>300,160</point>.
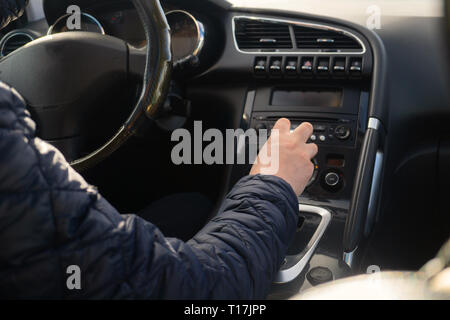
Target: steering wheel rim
<point>66,72</point>
<point>156,81</point>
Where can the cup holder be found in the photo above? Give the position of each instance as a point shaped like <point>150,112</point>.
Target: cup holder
<point>313,223</point>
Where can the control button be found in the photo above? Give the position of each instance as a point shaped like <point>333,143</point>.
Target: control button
<point>332,179</point>
<point>356,66</point>
<point>307,64</point>
<point>339,66</point>
<point>275,65</point>
<point>342,132</point>
<point>260,126</point>
<point>322,138</point>
<point>323,66</point>
<point>260,65</point>
<point>291,66</point>
<point>319,128</point>
<point>313,137</point>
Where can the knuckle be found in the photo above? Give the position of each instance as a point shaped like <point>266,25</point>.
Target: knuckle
<point>290,143</point>
<point>307,127</point>
<point>282,121</point>
<point>304,156</point>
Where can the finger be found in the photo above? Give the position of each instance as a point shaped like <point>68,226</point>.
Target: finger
<point>304,131</point>
<point>283,125</point>
<point>311,149</point>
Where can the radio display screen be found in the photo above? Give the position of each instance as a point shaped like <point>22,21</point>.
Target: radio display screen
<point>307,98</point>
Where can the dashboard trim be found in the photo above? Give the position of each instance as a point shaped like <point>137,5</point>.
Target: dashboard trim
<point>13,33</point>
<point>94,19</point>
<point>297,23</point>
<point>287,275</point>
<point>200,37</point>
<point>374,123</point>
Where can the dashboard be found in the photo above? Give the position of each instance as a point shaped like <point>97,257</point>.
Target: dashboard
<point>245,68</point>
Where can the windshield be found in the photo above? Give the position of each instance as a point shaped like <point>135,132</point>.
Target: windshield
<point>355,11</point>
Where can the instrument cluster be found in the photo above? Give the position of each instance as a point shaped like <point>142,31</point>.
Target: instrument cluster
<point>188,34</point>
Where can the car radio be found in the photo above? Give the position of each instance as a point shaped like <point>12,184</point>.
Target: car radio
<point>336,136</point>
<point>327,131</point>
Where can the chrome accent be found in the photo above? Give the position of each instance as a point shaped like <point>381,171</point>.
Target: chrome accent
<point>293,272</point>
<point>297,23</point>
<point>246,117</point>
<point>375,190</point>
<point>348,257</point>
<point>200,37</point>
<point>374,124</point>
<point>330,174</point>
<point>11,35</point>
<point>94,19</point>
<point>268,40</point>
<point>322,40</point>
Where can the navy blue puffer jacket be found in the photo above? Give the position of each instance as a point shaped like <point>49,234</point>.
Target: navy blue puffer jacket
<point>50,219</point>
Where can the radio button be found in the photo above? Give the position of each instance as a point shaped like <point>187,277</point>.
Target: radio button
<point>323,66</point>
<point>307,65</point>
<point>356,67</point>
<point>291,66</point>
<point>275,65</point>
<point>260,66</point>
<point>339,66</point>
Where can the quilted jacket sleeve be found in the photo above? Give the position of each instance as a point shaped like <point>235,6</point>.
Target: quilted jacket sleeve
<point>11,10</point>
<point>50,219</point>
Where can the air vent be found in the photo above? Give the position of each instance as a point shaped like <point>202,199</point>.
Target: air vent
<point>254,34</point>
<point>14,41</point>
<point>311,38</point>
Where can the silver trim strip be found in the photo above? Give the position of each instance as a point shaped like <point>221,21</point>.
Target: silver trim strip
<point>348,257</point>
<point>293,272</point>
<point>297,23</point>
<point>374,124</point>
<point>374,191</point>
<point>200,36</point>
<point>94,19</point>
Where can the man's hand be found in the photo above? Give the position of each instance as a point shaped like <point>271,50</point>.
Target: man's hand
<point>294,154</point>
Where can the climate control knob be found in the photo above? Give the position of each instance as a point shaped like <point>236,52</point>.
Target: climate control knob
<point>342,132</point>
<point>332,179</point>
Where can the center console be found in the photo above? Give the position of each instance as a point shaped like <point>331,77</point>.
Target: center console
<point>334,111</point>
<point>327,73</point>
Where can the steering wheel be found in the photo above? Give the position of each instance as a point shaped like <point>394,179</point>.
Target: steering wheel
<point>55,73</point>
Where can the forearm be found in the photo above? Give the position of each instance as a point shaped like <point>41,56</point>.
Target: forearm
<point>238,253</point>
